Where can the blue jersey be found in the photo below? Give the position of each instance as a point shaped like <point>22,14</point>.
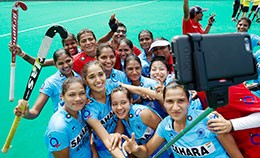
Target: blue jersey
<point>103,113</point>
<point>65,131</point>
<point>52,87</point>
<point>197,142</point>
<point>149,83</point>
<point>145,64</point>
<point>142,132</point>
<point>118,75</point>
<point>169,79</point>
<point>254,40</point>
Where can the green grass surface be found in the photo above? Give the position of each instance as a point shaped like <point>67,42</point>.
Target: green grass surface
<point>163,18</point>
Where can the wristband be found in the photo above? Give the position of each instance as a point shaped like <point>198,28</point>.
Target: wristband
<point>232,129</point>
<point>210,24</point>
<point>22,54</point>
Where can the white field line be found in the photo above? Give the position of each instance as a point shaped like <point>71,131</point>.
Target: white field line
<point>81,17</point>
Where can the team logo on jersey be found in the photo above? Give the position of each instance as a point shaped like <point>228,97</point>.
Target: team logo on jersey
<point>131,115</point>
<point>87,114</point>
<point>42,86</point>
<point>255,139</point>
<point>200,133</point>
<point>113,80</point>
<point>76,141</point>
<point>249,100</point>
<point>141,84</point>
<point>147,69</point>
<point>202,150</point>
<point>82,58</point>
<point>54,142</point>
<point>137,111</point>
<point>113,75</point>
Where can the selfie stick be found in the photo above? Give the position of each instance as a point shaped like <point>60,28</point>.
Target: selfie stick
<point>216,97</point>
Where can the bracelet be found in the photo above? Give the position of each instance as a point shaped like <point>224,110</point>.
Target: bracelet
<point>22,54</point>
<point>210,24</point>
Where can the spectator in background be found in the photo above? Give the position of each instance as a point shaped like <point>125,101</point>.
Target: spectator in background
<point>192,16</point>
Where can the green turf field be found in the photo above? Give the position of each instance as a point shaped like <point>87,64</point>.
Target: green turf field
<point>163,18</point>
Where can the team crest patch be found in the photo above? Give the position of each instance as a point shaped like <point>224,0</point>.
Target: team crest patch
<point>200,133</point>
<point>68,116</point>
<point>113,75</point>
<point>141,84</point>
<point>131,115</point>
<point>82,58</point>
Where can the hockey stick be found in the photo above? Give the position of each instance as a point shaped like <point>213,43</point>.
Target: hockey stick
<point>14,28</point>
<point>45,46</point>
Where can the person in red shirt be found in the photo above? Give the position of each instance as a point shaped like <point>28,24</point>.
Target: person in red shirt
<point>191,18</point>
<point>162,47</point>
<point>241,117</point>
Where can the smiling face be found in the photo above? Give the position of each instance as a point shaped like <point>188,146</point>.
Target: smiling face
<point>95,78</point>
<point>124,50</point>
<point>158,70</point>
<point>242,26</point>
<point>119,34</point>
<point>74,97</point>
<point>176,103</point>
<point>64,63</point>
<point>145,40</point>
<point>107,58</point>
<point>133,70</point>
<point>120,104</point>
<point>163,51</point>
<point>87,43</point>
<point>71,46</point>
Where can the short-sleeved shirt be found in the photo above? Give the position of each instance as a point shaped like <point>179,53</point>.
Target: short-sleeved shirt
<point>118,75</point>
<point>52,87</point>
<point>197,142</point>
<point>80,61</point>
<point>191,26</point>
<point>101,112</point>
<point>143,133</point>
<point>65,131</point>
<point>145,64</point>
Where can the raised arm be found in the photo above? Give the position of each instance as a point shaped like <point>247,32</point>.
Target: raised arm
<point>113,26</point>
<point>26,57</point>
<point>141,90</point>
<point>186,10</point>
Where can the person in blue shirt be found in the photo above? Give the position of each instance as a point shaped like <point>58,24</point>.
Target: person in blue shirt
<point>243,25</point>
<point>145,38</point>
<point>98,113</point>
<point>106,55</point>
<point>198,142</point>
<point>67,134</point>
<point>51,88</point>
<point>133,70</point>
<point>136,118</point>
